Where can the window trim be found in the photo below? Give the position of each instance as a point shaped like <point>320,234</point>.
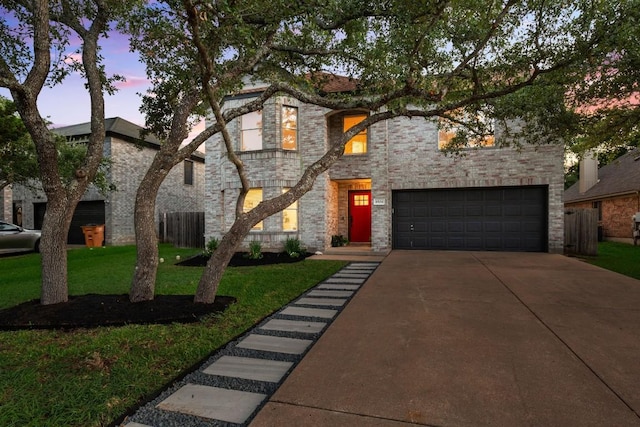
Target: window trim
<point>259,129</point>
<point>290,209</point>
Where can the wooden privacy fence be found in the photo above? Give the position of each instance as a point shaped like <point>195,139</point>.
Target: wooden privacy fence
<point>581,231</point>
<point>183,229</point>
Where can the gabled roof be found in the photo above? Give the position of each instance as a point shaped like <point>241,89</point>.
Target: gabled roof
<point>120,128</point>
<point>622,176</point>
<point>325,82</point>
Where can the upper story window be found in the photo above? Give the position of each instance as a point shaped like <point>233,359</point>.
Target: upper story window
<point>357,144</point>
<point>188,172</point>
<point>454,136</point>
<point>251,200</point>
<point>251,127</point>
<point>289,128</point>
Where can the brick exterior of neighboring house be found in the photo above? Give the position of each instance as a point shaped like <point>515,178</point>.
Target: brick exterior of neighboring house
<point>615,193</point>
<point>130,159</point>
<point>402,154</point>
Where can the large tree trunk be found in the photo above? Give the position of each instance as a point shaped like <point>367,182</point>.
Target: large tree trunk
<point>53,248</point>
<point>144,278</point>
<point>212,274</point>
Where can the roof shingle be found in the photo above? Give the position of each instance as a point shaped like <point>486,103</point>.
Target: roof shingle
<point>622,176</point>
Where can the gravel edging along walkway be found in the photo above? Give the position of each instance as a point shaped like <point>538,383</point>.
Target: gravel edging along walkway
<point>232,385</point>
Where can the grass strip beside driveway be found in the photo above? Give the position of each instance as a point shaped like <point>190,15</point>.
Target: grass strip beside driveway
<point>619,257</point>
<point>89,377</point>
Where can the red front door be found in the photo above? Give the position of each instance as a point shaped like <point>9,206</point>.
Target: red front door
<point>360,216</point>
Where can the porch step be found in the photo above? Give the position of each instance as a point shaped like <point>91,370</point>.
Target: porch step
<point>353,250</point>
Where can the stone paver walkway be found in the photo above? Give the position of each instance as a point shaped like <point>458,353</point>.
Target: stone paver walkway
<point>237,380</point>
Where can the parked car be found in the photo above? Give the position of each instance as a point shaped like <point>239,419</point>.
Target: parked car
<point>13,237</point>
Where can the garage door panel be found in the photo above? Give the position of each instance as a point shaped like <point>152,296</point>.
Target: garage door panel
<point>474,227</point>
<point>455,227</point>
<point>438,211</point>
<point>531,227</point>
<point>456,243</point>
<point>510,210</point>
<point>438,227</point>
<point>455,211</point>
<point>474,211</point>
<point>492,210</point>
<point>511,227</point>
<point>492,227</point>
<point>507,219</point>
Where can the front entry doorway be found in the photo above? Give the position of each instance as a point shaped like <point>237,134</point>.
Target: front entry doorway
<point>360,216</point>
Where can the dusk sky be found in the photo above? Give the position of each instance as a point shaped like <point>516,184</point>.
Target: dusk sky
<point>68,103</point>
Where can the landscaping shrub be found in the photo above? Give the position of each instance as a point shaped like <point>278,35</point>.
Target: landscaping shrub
<point>293,247</point>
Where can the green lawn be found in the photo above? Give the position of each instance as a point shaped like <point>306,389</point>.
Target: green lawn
<point>619,257</point>
<point>89,377</point>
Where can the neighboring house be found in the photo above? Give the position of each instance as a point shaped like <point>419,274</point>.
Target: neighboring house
<point>182,190</point>
<point>613,189</point>
<point>394,188</point>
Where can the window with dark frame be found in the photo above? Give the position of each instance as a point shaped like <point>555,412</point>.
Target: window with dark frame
<point>188,172</point>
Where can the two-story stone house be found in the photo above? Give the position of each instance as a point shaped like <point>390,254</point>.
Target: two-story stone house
<point>182,190</point>
<point>394,188</point>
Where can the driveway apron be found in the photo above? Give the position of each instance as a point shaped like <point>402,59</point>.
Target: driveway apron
<point>472,339</point>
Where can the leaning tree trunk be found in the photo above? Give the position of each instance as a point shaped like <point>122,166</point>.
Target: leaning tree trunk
<point>210,279</point>
<point>144,277</point>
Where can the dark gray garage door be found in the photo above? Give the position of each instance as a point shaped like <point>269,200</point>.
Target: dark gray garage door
<point>91,212</point>
<point>483,219</point>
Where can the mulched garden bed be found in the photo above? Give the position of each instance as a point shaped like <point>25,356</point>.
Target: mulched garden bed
<point>241,259</point>
<point>94,310</point>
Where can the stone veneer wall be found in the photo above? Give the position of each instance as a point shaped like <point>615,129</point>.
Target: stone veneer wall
<point>270,169</point>
<point>129,164</point>
<point>402,154</point>
<point>416,163</point>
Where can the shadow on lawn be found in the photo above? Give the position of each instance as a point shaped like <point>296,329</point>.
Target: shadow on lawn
<point>95,310</point>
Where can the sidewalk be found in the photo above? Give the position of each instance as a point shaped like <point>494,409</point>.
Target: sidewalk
<point>473,339</point>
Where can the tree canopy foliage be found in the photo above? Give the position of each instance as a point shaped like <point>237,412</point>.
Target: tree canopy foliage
<point>466,63</point>
<point>470,63</point>
<point>34,40</point>
<point>17,151</point>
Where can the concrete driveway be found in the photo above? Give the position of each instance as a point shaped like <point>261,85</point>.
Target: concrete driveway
<point>474,339</point>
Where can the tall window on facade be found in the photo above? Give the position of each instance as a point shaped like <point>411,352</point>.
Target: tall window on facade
<point>290,216</point>
<point>477,134</point>
<point>252,199</point>
<point>289,128</point>
<point>188,172</point>
<point>357,144</point>
<point>251,125</point>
